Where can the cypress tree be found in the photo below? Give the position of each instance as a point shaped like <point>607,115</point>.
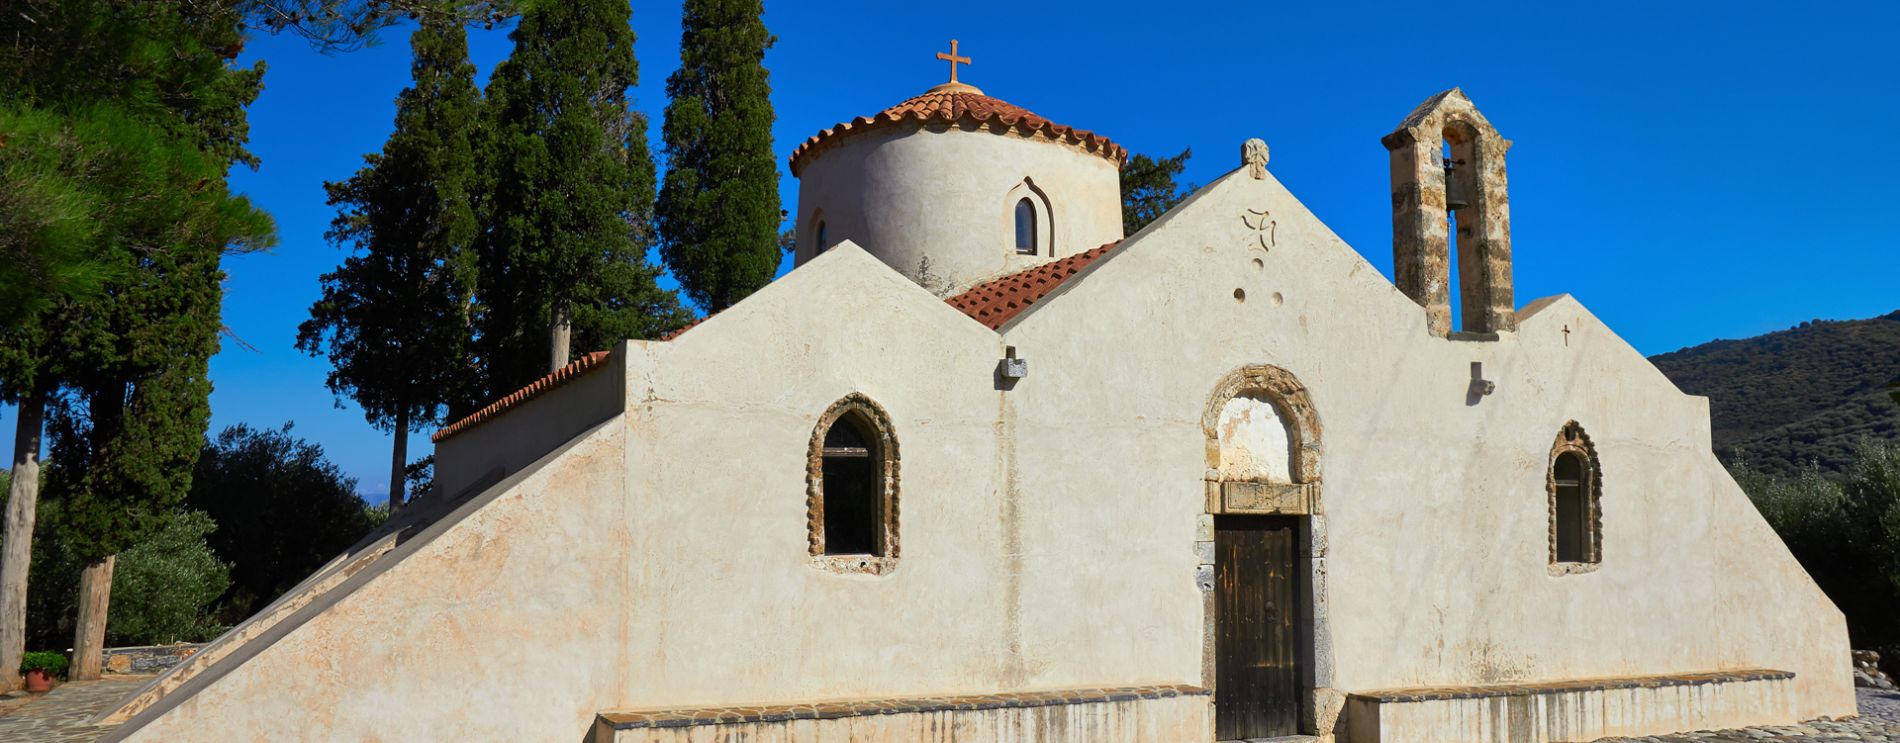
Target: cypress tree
<point>718,212</point>
<point>394,318</point>
<point>567,183</point>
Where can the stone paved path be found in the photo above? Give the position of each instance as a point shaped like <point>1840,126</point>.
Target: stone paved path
<point>59,716</point>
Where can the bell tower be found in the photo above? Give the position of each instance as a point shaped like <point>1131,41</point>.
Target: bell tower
<point>1448,186</point>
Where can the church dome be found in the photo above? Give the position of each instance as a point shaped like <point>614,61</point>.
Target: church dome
<point>960,103</point>
<point>953,187</point>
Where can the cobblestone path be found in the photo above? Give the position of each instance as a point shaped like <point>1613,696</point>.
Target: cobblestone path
<point>59,716</point>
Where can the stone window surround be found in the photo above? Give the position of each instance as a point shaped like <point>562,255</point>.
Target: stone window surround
<point>885,560</point>
<point>1572,439</point>
<point>1300,498</point>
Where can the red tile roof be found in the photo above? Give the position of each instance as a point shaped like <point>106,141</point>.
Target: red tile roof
<point>574,370</point>
<point>997,301</point>
<point>956,103</point>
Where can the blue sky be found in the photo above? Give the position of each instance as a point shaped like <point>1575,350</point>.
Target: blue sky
<point>1689,171</point>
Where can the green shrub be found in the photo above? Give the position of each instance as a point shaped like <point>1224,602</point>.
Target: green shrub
<point>54,664</point>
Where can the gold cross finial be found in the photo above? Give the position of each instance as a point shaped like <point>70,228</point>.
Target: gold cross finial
<point>953,59</point>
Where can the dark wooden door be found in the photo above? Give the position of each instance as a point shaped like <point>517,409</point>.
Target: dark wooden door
<point>1258,633</point>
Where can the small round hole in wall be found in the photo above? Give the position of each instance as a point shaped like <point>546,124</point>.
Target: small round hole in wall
<point>1276,299</point>
<point>1240,295</point>
<point>1259,265</point>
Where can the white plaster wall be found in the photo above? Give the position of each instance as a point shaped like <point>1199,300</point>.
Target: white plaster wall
<point>1435,501</point>
<point>945,195</point>
<point>730,608</point>
<point>503,622</point>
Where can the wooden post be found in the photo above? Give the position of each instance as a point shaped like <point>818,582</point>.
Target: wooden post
<point>22,504</point>
<point>89,638</point>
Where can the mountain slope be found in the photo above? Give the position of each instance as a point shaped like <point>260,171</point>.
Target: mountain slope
<point>1782,400</point>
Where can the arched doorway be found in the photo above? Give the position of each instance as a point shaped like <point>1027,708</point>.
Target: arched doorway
<point>1263,595</point>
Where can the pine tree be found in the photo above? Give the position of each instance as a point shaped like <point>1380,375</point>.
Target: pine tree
<point>718,213</point>
<point>394,318</point>
<point>152,142</point>
<point>1149,190</point>
<point>563,239</point>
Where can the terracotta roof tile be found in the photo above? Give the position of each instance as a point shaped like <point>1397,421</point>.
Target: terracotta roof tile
<point>997,301</point>
<point>947,105</point>
<point>574,370</point>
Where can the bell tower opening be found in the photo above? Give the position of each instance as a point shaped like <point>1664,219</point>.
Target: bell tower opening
<point>1449,208</point>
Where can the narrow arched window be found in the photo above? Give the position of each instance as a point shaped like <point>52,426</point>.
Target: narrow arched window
<point>852,489</point>
<point>1575,482</point>
<point>1025,227</point>
<point>822,245</point>
<point>1567,479</point>
<point>851,485</point>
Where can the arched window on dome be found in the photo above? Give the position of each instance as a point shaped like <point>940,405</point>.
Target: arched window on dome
<point>1026,226</point>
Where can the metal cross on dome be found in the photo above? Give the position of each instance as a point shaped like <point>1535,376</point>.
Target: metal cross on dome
<point>953,59</point>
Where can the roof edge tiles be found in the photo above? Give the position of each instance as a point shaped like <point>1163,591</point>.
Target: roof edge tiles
<point>997,301</point>
<point>947,106</point>
<point>574,370</point>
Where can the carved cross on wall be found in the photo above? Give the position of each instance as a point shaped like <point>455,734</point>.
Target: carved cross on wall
<point>1566,335</point>
<point>953,59</point>
<point>1262,224</point>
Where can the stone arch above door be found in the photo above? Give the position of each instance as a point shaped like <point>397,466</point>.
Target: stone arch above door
<point>1240,478</point>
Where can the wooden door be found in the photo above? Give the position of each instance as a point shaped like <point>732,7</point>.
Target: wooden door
<point>1258,591</point>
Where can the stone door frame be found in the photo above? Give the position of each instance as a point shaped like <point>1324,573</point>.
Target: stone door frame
<point>1301,499</point>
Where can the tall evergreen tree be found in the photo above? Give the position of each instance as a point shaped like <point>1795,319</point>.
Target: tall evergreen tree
<point>394,318</point>
<point>1149,190</point>
<point>169,121</point>
<point>566,186</point>
<point>718,213</point>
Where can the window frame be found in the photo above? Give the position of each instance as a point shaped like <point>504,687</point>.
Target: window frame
<point>1017,212</point>
<point>875,425</point>
<point>1573,441</point>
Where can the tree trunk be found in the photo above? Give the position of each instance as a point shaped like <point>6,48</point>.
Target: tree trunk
<point>22,503</point>
<point>399,462</point>
<point>558,333</point>
<point>89,639</point>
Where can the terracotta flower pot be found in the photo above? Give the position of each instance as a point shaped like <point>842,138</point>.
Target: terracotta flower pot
<point>38,682</point>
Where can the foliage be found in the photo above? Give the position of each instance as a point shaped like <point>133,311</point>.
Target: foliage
<point>282,510</point>
<point>718,214</point>
<point>342,25</point>
<point>164,587</point>
<point>53,663</point>
<point>567,183</point>
<point>1796,397</point>
<point>394,318</point>
<point>1149,190</point>
<point>1846,534</point>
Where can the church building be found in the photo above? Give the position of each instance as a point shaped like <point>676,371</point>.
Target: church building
<point>984,468</point>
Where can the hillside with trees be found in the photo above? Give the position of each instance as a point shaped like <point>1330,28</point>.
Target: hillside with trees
<point>1782,401</point>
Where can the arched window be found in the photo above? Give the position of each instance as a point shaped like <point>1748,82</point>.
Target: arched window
<point>1575,484</point>
<point>852,489</point>
<point>822,245</point>
<point>1026,227</point>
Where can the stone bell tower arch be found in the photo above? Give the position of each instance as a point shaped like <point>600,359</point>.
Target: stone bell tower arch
<point>1429,200</point>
